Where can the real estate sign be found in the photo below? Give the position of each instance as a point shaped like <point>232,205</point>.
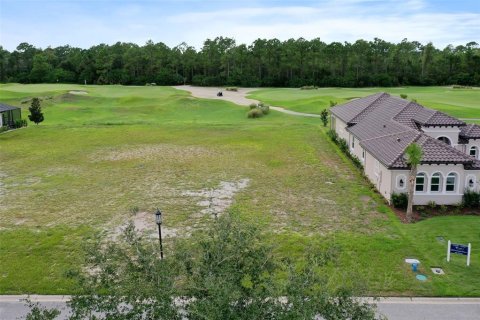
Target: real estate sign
<point>459,249</point>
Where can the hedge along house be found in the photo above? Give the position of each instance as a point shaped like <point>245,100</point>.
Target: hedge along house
<point>9,114</point>
<point>378,129</point>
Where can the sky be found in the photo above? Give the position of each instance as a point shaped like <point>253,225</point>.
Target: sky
<point>84,23</point>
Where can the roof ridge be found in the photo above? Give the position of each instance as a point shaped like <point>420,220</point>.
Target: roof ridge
<point>370,105</point>
<point>390,134</point>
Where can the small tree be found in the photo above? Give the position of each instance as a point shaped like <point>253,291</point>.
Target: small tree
<point>324,117</point>
<point>333,103</point>
<point>36,114</point>
<point>227,271</point>
<point>413,155</point>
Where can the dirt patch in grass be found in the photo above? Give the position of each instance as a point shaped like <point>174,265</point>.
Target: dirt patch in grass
<point>159,152</point>
<point>216,201</point>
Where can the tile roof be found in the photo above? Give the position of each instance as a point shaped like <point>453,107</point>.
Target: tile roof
<point>348,111</point>
<point>386,125</point>
<point>6,107</point>
<point>470,131</point>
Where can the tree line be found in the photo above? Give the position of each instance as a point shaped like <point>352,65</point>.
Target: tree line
<point>273,63</point>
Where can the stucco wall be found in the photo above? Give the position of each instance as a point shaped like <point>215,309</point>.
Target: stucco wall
<point>340,128</point>
<point>449,132</point>
<point>470,144</point>
<point>442,197</point>
<point>380,177</point>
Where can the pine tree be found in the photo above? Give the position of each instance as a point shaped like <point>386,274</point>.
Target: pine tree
<point>36,114</point>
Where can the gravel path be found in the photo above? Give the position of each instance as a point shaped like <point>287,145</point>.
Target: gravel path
<point>237,97</point>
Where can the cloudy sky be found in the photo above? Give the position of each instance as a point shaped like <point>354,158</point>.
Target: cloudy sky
<point>83,23</point>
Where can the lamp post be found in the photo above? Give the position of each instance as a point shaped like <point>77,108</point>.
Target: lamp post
<point>158,219</point>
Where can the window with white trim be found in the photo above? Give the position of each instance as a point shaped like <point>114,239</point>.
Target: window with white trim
<point>451,182</point>
<point>420,182</point>
<point>474,152</point>
<point>436,182</point>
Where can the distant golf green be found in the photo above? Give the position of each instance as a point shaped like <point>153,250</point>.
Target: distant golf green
<point>107,154</point>
<point>461,103</point>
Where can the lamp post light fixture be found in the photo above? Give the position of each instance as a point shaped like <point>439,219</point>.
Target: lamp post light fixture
<point>158,220</point>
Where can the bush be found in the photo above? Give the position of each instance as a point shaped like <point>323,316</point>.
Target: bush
<point>432,204</point>
<point>252,106</point>
<point>400,200</point>
<point>20,123</point>
<point>342,143</point>
<point>333,135</point>
<point>403,96</point>
<point>308,88</point>
<point>255,113</point>
<point>3,129</point>
<point>265,110</point>
<point>471,199</point>
<point>231,89</point>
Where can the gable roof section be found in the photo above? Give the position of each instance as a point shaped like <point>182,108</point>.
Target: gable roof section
<point>6,107</point>
<point>389,148</point>
<point>348,111</point>
<point>435,152</point>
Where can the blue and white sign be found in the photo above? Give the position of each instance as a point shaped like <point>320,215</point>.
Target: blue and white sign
<point>462,249</point>
<point>459,249</point>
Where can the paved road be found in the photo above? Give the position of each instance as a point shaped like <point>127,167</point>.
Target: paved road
<point>12,307</point>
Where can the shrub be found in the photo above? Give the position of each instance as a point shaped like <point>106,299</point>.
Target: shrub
<point>432,205</point>
<point>471,199</point>
<point>255,113</point>
<point>403,96</point>
<point>231,89</point>
<point>265,109</point>
<point>333,135</point>
<point>252,106</point>
<point>3,129</point>
<point>308,87</point>
<point>400,200</point>
<point>333,103</point>
<point>443,209</point>
<point>342,143</point>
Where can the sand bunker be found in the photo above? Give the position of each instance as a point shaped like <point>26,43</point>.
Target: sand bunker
<point>78,92</point>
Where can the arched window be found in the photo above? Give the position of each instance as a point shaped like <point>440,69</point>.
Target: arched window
<point>445,139</point>
<point>420,182</point>
<point>474,152</point>
<point>436,182</point>
<point>451,182</point>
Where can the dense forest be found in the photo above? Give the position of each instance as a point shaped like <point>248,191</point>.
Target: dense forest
<point>274,63</point>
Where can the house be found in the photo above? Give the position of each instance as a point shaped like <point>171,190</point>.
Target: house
<point>9,114</point>
<point>378,128</point>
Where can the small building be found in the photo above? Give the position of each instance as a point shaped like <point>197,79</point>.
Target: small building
<point>378,129</point>
<point>9,114</point>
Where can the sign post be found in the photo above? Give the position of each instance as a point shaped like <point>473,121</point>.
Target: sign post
<point>464,250</point>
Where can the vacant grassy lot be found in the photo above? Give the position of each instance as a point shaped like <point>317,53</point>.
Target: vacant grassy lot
<point>461,103</point>
<point>101,157</point>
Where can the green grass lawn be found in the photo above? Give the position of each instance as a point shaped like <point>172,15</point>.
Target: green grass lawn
<point>97,156</point>
<point>461,103</point>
